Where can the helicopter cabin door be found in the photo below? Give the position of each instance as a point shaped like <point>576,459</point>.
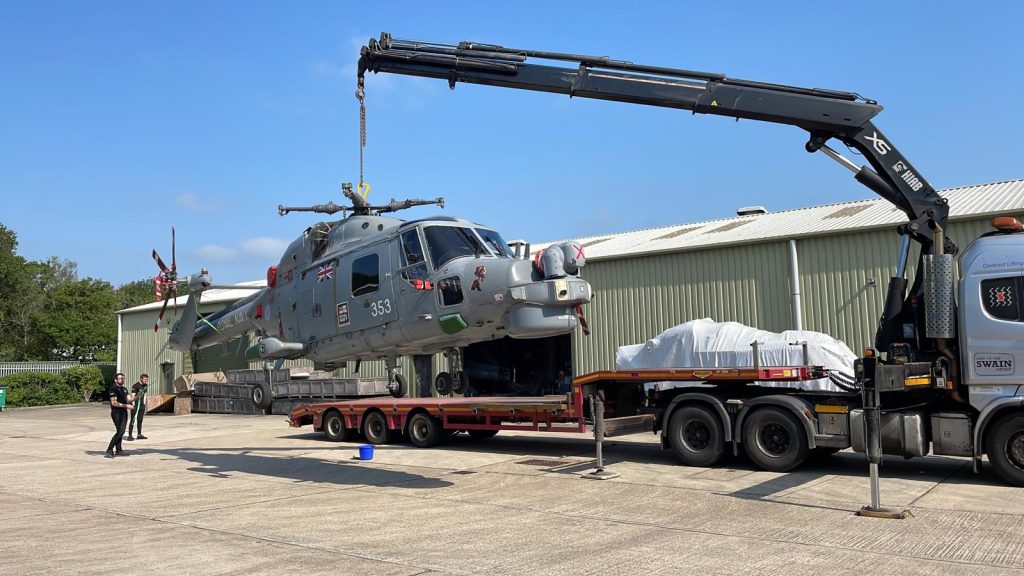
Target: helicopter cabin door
<point>316,301</point>
<point>370,298</point>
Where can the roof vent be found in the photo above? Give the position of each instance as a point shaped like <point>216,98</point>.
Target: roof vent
<point>751,211</point>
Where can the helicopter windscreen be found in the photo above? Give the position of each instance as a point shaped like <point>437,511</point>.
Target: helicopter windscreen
<point>445,243</point>
<point>495,242</point>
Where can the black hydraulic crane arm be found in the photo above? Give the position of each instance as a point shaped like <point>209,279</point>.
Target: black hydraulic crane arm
<point>825,114</point>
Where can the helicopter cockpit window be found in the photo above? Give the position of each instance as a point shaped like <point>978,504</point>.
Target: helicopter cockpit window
<point>414,264</point>
<point>450,290</point>
<point>365,275</point>
<point>495,242</point>
<point>317,235</point>
<point>446,243</point>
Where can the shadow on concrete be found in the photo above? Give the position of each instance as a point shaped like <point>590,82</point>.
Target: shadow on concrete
<point>224,463</point>
<point>937,469</point>
<point>933,469</point>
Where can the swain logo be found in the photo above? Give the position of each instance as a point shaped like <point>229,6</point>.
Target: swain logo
<point>993,364</point>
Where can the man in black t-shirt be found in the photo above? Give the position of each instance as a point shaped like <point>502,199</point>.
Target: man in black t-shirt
<point>139,390</point>
<point>120,405</point>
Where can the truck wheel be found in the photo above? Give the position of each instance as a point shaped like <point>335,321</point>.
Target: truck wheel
<point>696,436</point>
<point>443,384</point>
<point>333,426</point>
<point>425,431</point>
<point>261,396</point>
<point>375,428</point>
<point>1004,444</point>
<point>482,434</point>
<point>774,440</point>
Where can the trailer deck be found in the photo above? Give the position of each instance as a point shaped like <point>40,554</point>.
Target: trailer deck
<point>382,419</point>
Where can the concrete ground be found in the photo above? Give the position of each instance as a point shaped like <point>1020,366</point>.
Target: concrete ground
<point>220,494</point>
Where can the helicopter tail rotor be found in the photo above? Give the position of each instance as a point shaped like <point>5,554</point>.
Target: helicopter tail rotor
<point>166,282</point>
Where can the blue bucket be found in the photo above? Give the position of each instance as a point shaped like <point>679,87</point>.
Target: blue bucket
<point>366,452</point>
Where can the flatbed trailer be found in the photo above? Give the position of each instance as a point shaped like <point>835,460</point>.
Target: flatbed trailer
<point>630,405</point>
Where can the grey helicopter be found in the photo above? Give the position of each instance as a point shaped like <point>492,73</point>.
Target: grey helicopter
<point>375,287</point>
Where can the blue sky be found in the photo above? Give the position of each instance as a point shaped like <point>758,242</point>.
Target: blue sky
<point>121,119</point>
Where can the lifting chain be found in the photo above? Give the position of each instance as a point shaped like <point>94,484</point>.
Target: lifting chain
<point>363,189</point>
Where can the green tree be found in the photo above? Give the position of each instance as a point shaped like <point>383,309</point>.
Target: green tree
<point>135,293</point>
<point>15,287</point>
<point>78,321</point>
<point>55,272</point>
<point>87,380</point>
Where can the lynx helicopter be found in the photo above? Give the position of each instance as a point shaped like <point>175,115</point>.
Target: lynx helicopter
<point>372,287</point>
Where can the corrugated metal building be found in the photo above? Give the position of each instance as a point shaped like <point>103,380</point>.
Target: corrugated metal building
<point>741,269</point>
<point>736,269</point>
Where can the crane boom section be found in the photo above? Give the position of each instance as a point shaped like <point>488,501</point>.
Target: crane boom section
<point>824,114</point>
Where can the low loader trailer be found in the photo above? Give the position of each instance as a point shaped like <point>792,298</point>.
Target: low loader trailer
<point>700,414</point>
<point>698,437</point>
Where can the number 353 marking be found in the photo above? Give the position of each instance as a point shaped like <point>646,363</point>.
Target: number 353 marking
<point>380,307</point>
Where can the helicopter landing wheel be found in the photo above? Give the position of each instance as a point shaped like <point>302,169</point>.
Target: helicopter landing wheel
<point>398,386</point>
<point>443,384</point>
<point>461,383</point>
<point>261,395</point>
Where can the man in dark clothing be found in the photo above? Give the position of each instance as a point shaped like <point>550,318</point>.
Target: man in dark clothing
<point>139,390</point>
<point>120,405</point>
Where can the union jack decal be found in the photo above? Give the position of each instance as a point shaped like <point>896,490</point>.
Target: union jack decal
<point>325,272</point>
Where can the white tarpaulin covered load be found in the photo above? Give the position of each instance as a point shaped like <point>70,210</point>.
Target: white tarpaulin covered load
<point>708,344</point>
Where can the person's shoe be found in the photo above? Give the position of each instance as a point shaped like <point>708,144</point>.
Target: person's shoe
<point>109,454</point>
<point>122,453</point>
<point>129,438</point>
<point>141,437</point>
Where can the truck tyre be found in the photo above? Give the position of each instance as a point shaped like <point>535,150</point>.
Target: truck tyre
<point>696,436</point>
<point>333,426</point>
<point>482,434</point>
<point>375,428</point>
<point>261,396</point>
<point>443,384</point>
<point>774,439</point>
<point>425,430</point>
<point>1004,444</point>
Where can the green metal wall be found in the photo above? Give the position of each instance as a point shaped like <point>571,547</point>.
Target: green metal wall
<point>637,298</point>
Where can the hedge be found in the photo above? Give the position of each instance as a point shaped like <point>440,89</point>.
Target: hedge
<point>73,385</point>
